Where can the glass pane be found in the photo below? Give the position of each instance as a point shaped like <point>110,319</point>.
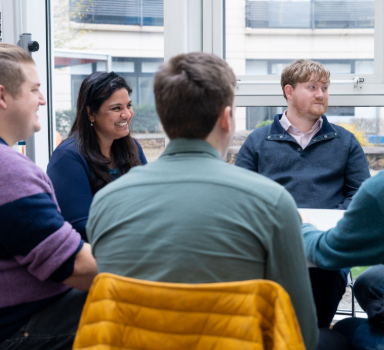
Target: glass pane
<point>346,303</point>
<point>264,36</point>
<point>97,35</point>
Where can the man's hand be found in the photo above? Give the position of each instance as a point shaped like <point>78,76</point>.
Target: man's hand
<point>84,271</point>
<point>305,219</point>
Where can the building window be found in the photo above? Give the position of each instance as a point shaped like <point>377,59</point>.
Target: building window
<point>310,14</point>
<point>123,12</point>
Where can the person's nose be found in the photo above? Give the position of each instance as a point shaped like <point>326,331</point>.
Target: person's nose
<point>319,94</point>
<point>42,100</point>
<point>128,113</point>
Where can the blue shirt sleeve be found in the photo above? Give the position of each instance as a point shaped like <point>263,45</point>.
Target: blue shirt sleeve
<point>68,172</point>
<point>357,238</point>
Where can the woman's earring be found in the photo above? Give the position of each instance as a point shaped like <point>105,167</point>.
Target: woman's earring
<point>91,123</point>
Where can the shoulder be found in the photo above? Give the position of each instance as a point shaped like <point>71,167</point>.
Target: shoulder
<point>139,148</point>
<point>374,185</point>
<point>251,184</point>
<point>211,172</point>
<point>67,152</point>
<point>261,132</point>
<point>68,146</point>
<point>342,132</point>
<point>142,157</point>
<point>20,177</point>
<point>344,136</point>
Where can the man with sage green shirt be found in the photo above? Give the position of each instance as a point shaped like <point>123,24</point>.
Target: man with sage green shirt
<point>191,218</point>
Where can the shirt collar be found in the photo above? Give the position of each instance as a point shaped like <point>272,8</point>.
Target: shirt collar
<point>3,142</point>
<point>286,124</point>
<point>183,145</point>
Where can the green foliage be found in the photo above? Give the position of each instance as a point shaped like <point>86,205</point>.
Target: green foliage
<point>66,33</point>
<point>263,123</point>
<point>145,120</point>
<point>64,121</point>
<point>358,270</point>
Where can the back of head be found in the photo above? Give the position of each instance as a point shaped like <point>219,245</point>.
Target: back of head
<point>302,71</point>
<point>191,90</point>
<point>11,73</point>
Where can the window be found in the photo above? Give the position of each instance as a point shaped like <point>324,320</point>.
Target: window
<point>263,36</point>
<point>125,12</point>
<point>312,14</point>
<point>99,35</point>
<point>341,66</point>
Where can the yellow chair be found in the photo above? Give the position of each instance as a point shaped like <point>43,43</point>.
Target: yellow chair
<point>125,313</point>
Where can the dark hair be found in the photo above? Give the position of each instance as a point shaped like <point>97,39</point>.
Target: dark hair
<point>191,90</point>
<point>95,89</point>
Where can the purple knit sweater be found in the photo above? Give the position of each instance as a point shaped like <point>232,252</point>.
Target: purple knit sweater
<point>37,247</point>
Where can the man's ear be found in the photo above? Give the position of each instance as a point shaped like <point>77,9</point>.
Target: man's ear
<point>225,121</point>
<point>288,89</point>
<point>3,93</point>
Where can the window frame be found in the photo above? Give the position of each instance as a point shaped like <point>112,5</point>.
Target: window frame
<point>266,90</point>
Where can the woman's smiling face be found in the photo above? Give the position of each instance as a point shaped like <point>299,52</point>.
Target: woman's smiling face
<point>112,120</point>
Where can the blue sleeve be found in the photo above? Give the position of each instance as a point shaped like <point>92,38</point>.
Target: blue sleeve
<point>247,157</point>
<point>35,234</point>
<point>143,160</point>
<point>68,172</point>
<point>357,238</point>
<point>356,171</point>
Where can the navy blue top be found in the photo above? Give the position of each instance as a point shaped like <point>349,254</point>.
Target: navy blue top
<point>70,175</point>
<point>325,175</point>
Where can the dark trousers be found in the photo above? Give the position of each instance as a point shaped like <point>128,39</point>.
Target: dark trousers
<point>329,339</point>
<point>328,287</point>
<point>369,286</point>
<point>361,334</point>
<point>53,328</point>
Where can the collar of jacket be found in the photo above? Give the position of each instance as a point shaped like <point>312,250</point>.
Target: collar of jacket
<point>277,133</point>
<point>191,146</point>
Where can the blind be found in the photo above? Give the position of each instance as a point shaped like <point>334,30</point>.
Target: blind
<point>118,8</point>
<point>310,14</point>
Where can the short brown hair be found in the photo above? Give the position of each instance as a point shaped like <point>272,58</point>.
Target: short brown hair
<point>301,71</point>
<point>191,90</point>
<point>11,73</point>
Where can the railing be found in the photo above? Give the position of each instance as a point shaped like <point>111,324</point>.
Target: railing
<point>129,12</point>
<point>310,14</point>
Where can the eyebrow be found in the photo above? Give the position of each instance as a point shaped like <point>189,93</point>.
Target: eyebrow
<point>119,104</point>
<point>317,81</point>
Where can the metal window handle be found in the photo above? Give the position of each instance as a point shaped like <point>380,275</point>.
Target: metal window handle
<point>27,43</point>
<point>33,46</point>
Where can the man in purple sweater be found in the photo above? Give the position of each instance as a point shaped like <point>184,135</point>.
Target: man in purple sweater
<point>41,255</point>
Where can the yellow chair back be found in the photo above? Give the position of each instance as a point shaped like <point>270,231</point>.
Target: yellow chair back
<point>125,313</point>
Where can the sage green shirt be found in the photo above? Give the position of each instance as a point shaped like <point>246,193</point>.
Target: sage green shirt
<point>191,218</point>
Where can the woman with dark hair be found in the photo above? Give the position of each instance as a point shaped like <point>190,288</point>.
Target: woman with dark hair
<point>99,148</point>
